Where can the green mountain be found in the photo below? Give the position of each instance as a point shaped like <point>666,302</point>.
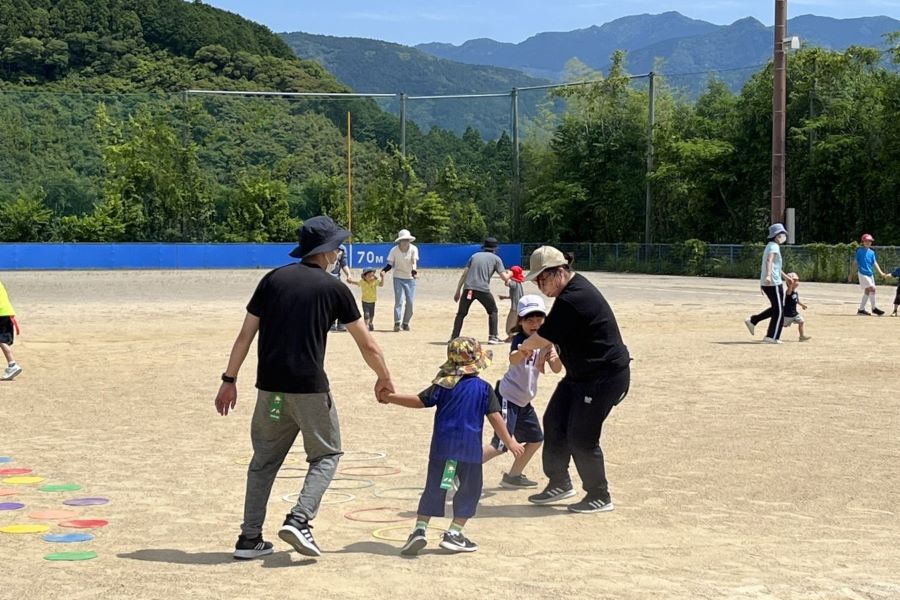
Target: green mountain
<point>381,67</point>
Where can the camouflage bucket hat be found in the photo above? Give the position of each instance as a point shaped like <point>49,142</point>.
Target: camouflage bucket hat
<point>464,357</point>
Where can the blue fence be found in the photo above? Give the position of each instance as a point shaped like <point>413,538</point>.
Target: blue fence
<point>218,256</point>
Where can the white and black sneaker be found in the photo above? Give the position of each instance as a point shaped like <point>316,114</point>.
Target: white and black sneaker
<point>552,493</point>
<point>298,534</point>
<point>416,542</point>
<point>494,340</point>
<point>591,505</point>
<point>248,548</point>
<point>455,541</point>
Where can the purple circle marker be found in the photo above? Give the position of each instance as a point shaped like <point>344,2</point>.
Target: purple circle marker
<point>86,501</point>
<point>11,505</point>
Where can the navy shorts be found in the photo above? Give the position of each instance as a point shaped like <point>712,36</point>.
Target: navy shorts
<point>522,423</point>
<point>7,333</point>
<point>465,501</point>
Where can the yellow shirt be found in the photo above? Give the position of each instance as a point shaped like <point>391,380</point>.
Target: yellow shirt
<point>369,290</point>
<point>6,307</point>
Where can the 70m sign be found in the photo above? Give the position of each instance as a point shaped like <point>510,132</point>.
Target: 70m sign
<point>368,257</point>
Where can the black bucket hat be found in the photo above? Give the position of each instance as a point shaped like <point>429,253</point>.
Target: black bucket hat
<point>490,244</point>
<point>319,235</point>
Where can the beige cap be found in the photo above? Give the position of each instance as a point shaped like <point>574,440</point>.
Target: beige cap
<point>545,257</point>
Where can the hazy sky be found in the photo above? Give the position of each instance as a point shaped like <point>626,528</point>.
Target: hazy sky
<point>413,22</point>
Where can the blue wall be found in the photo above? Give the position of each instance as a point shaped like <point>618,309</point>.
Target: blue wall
<point>218,256</point>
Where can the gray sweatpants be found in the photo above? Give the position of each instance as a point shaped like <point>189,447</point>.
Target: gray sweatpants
<point>313,415</point>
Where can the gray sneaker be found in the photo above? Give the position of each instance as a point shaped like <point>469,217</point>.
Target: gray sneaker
<point>516,482</point>
<point>10,373</point>
<point>750,326</point>
<point>494,340</point>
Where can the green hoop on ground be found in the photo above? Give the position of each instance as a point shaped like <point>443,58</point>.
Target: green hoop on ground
<point>386,494</point>
<point>71,556</point>
<point>345,497</point>
<point>366,483</point>
<point>361,455</point>
<point>59,487</point>
<point>349,515</point>
<point>368,470</point>
<point>380,534</point>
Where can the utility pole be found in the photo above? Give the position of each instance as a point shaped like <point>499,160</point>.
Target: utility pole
<point>779,108</point>
<point>403,125</point>
<point>517,176</point>
<point>651,123</point>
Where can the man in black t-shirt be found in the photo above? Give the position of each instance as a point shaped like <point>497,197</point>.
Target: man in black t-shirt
<point>292,309</point>
<point>582,325</point>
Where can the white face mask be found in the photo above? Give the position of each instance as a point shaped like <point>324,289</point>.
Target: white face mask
<point>332,263</point>
<point>781,238</point>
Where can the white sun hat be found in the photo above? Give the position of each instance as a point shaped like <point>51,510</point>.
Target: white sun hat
<point>405,235</point>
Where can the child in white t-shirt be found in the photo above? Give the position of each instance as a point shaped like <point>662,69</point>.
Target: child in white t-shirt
<point>518,388</point>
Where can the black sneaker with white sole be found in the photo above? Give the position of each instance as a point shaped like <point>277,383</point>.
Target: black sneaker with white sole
<point>298,534</point>
<point>877,312</point>
<point>248,548</point>
<point>455,541</point>
<point>414,543</point>
<point>591,505</point>
<point>552,493</point>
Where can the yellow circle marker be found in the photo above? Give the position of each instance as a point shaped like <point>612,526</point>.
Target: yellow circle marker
<point>23,479</point>
<point>380,534</point>
<point>24,529</point>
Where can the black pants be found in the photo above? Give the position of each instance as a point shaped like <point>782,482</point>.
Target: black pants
<point>368,311</point>
<point>487,301</point>
<point>775,312</point>
<point>573,423</point>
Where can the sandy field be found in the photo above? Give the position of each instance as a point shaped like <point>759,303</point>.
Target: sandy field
<point>739,470</point>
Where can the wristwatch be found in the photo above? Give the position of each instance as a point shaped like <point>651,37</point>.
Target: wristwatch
<point>228,379</point>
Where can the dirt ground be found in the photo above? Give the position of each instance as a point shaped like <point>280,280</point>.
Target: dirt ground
<point>738,470</point>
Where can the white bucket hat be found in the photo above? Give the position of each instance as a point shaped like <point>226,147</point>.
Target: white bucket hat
<point>530,304</point>
<point>405,235</point>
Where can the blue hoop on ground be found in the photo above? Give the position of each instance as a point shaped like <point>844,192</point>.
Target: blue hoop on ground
<point>292,498</point>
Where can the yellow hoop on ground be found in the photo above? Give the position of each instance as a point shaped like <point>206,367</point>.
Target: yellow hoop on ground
<point>23,480</point>
<point>379,534</point>
<point>25,528</point>
<point>349,515</point>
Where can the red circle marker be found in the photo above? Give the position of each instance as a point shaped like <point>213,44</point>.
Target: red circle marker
<point>5,472</point>
<point>85,523</point>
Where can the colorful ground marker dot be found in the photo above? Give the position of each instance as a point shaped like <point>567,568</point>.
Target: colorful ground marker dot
<point>86,501</point>
<point>53,515</point>
<point>22,480</point>
<point>11,505</point>
<point>59,487</point>
<point>25,528</point>
<point>71,556</point>
<point>7,472</point>
<point>67,538</point>
<point>84,523</point>
<point>5,459</point>
<point>9,492</point>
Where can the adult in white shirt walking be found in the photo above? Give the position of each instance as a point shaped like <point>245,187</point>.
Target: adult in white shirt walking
<point>403,259</point>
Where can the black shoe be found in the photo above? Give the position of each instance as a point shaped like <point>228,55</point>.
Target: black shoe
<point>494,340</point>
<point>589,505</point>
<point>457,542</point>
<point>371,327</point>
<point>877,311</point>
<point>552,493</point>
<point>405,327</point>
<point>297,533</point>
<point>515,482</point>
<point>863,313</point>
<point>416,542</point>
<point>247,548</point>
<point>396,327</point>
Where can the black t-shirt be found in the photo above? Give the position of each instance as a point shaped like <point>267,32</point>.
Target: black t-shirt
<point>583,327</point>
<point>296,304</point>
<point>790,304</point>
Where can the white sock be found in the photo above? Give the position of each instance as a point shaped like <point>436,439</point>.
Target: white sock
<point>862,304</point>
<point>872,300</point>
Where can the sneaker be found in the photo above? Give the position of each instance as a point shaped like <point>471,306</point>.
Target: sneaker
<point>371,327</point>
<point>863,313</point>
<point>494,340</point>
<point>455,541</point>
<point>591,506</point>
<point>10,373</point>
<point>805,338</point>
<point>877,312</point>
<point>247,548</point>
<point>298,534</point>
<point>414,543</point>
<point>552,493</point>
<point>396,327</point>
<point>405,327</point>
<point>750,326</point>
<point>769,340</point>
<point>515,482</point>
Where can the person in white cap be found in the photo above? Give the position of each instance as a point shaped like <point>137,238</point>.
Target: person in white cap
<point>771,284</point>
<point>582,326</point>
<point>865,265</point>
<point>403,259</point>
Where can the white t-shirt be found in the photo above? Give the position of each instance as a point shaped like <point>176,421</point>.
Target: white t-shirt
<point>403,262</point>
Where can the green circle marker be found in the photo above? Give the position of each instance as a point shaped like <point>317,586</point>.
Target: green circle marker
<point>59,487</point>
<point>71,556</point>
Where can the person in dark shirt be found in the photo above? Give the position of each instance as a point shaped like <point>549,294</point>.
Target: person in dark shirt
<point>292,309</point>
<point>582,326</point>
<point>791,301</point>
<point>462,400</point>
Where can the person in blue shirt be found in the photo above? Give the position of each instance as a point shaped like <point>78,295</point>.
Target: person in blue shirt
<point>770,282</point>
<point>865,264</point>
<point>463,400</point>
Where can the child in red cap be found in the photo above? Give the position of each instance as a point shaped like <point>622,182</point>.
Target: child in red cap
<point>516,291</point>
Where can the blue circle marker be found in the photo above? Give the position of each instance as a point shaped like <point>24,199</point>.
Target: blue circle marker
<point>6,459</point>
<point>67,538</point>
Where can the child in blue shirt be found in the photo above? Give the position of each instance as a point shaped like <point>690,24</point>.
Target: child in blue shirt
<point>463,400</point>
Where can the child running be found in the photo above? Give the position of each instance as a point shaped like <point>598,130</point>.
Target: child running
<point>518,388</point>
<point>791,301</point>
<point>462,400</point>
<point>369,285</point>
<point>8,330</point>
